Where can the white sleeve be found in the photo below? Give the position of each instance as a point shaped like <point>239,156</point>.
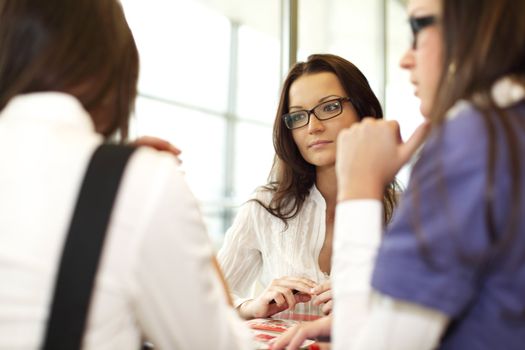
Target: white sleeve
<point>362,318</point>
<point>239,257</point>
<point>179,300</point>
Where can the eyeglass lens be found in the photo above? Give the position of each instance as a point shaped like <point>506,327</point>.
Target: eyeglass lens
<point>323,111</point>
<point>417,24</point>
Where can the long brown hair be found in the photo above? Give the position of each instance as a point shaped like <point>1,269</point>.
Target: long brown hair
<point>291,177</point>
<point>484,41</point>
<point>82,47</point>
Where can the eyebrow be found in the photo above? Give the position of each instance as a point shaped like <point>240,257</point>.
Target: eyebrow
<point>420,11</point>
<point>326,98</point>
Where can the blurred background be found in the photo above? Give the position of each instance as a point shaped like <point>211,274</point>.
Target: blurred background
<point>211,72</point>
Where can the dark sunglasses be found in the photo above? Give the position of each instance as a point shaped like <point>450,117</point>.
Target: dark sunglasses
<point>417,24</point>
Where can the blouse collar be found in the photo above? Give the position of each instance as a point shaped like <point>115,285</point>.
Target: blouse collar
<point>317,196</point>
<point>55,107</point>
<point>506,92</point>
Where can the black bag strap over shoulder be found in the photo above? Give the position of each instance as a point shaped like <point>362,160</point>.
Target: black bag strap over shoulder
<point>83,247</point>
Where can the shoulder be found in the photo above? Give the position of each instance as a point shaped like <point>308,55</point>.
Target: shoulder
<point>464,127</point>
<point>154,191</point>
<point>263,194</point>
<point>460,142</point>
<point>252,216</point>
<point>258,200</point>
<point>149,162</point>
<point>464,119</point>
<point>157,175</point>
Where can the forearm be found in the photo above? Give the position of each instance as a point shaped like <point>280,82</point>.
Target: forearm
<point>360,314</point>
<point>357,234</point>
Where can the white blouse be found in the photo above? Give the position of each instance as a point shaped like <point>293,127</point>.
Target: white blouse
<point>258,249</point>
<point>155,278</point>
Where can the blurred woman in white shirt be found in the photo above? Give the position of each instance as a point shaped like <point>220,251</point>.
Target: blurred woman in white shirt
<point>68,82</point>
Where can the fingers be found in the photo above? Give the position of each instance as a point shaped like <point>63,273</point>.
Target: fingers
<point>369,154</point>
<point>301,335</point>
<point>282,293</point>
<point>285,297</point>
<point>321,288</point>
<point>260,307</point>
<point>291,297</point>
<point>327,308</point>
<point>295,336</point>
<point>285,338</point>
<point>416,139</point>
<point>158,144</point>
<point>300,284</point>
<point>279,297</point>
<point>288,291</point>
<point>396,132</point>
<point>323,298</point>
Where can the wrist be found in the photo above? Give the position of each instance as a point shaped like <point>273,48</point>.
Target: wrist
<point>244,310</point>
<point>362,189</point>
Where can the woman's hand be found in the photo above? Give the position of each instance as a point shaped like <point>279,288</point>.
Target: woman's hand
<point>282,294</point>
<point>369,154</point>
<point>323,295</point>
<point>295,336</point>
<point>158,144</point>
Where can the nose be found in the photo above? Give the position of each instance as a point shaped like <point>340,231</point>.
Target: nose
<point>407,60</point>
<point>315,125</point>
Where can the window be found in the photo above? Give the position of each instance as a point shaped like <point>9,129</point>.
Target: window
<point>373,35</point>
<point>210,80</point>
<point>209,84</point>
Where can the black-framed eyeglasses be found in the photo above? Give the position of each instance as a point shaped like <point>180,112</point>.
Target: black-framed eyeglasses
<point>323,111</point>
<point>417,24</point>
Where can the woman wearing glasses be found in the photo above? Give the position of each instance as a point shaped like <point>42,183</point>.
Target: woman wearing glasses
<point>281,240</point>
<point>450,271</point>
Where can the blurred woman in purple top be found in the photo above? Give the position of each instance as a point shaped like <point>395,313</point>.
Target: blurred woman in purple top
<point>450,272</point>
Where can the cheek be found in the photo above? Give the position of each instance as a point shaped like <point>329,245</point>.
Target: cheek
<point>434,69</point>
<point>430,63</point>
<point>348,121</point>
<point>297,137</point>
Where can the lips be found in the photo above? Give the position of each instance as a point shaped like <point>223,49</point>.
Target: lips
<point>416,88</point>
<point>318,143</point>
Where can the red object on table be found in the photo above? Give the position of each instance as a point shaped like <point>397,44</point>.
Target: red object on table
<point>266,329</point>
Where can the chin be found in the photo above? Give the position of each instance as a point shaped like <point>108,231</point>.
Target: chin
<point>324,163</point>
<point>425,109</point>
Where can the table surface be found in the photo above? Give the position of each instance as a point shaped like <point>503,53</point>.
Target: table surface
<point>318,345</point>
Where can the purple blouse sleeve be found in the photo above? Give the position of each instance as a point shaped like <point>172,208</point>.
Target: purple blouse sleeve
<point>431,251</point>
